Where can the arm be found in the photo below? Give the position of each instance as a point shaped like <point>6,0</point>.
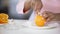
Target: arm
<point>23,6</point>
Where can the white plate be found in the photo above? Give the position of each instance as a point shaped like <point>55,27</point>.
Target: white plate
<point>6,24</point>
<point>31,24</point>
<point>10,26</point>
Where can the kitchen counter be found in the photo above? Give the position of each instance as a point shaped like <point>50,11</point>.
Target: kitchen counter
<point>23,30</point>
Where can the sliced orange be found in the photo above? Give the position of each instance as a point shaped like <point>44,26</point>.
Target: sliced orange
<point>3,18</point>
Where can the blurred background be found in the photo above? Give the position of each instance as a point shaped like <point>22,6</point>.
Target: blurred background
<point>9,7</point>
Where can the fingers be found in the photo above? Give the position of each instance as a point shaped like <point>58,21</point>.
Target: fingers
<point>37,12</point>
<point>50,18</point>
<point>36,4</point>
<point>45,14</point>
<point>48,15</point>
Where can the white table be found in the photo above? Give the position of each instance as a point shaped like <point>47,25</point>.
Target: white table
<point>22,30</point>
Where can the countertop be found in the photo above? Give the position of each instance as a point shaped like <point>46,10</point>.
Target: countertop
<point>23,30</point>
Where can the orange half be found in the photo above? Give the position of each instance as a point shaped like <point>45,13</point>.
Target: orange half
<point>39,20</point>
<point>3,18</point>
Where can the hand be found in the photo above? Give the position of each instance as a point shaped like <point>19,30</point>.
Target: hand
<point>48,16</point>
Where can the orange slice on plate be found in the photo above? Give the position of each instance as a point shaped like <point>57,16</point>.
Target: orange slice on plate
<point>3,18</point>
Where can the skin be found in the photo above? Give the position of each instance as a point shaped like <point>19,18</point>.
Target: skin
<point>36,5</point>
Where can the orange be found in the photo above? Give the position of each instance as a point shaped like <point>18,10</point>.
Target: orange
<point>3,18</point>
<point>39,20</point>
